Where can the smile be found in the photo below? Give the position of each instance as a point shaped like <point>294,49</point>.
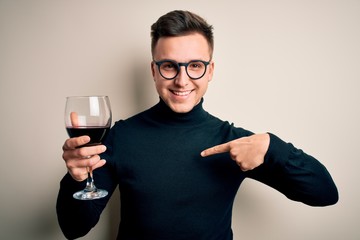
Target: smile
<point>181,93</point>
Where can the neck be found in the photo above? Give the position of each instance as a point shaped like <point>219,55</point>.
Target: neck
<point>164,114</point>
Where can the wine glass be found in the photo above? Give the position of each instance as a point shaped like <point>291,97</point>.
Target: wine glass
<point>91,116</point>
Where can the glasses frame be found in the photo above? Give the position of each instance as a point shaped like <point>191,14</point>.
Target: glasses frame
<point>180,64</point>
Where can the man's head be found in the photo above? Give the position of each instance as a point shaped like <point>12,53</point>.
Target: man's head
<point>182,66</point>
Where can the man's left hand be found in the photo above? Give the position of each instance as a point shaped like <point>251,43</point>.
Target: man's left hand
<point>248,152</point>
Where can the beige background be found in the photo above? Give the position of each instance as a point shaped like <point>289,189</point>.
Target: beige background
<point>284,66</point>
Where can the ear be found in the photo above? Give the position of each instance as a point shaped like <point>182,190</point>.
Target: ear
<point>153,66</point>
<point>211,70</point>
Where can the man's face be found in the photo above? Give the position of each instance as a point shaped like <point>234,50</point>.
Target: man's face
<point>182,93</point>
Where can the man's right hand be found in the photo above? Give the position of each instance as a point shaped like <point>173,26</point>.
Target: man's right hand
<point>78,160</point>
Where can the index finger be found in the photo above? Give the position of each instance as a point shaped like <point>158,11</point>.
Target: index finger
<point>73,143</point>
<point>222,148</point>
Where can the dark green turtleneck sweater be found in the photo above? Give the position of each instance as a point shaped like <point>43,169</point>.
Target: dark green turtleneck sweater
<point>168,191</point>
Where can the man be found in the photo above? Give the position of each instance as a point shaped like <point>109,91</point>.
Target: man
<point>178,168</point>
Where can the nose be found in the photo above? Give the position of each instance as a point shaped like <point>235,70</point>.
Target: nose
<point>182,79</point>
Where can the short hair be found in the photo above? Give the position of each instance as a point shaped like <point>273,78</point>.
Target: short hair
<point>180,23</point>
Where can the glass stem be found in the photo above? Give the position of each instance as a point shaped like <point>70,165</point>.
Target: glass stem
<point>90,186</point>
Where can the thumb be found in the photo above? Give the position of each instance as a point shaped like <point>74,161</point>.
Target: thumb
<point>74,119</point>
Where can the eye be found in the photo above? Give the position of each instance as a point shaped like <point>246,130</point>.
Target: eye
<point>168,66</point>
<point>196,65</point>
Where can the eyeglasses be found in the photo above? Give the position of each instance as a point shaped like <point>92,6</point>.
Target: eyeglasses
<point>169,69</point>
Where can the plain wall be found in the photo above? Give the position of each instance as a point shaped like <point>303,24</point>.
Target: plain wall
<point>283,66</point>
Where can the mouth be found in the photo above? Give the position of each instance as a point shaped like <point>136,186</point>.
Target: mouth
<point>181,93</point>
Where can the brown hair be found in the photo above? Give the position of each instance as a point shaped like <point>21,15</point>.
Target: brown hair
<point>180,23</point>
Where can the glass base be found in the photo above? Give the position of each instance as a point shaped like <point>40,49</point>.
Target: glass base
<point>86,195</point>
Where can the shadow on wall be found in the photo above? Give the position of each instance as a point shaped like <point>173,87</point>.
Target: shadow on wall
<point>143,96</point>
<point>143,88</point>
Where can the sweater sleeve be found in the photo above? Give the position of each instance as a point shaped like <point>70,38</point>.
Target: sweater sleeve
<point>297,175</point>
<point>77,217</point>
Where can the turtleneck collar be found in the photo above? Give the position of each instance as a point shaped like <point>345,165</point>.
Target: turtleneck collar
<point>163,114</point>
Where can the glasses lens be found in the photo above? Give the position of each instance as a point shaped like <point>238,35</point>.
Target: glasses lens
<point>196,69</point>
<point>168,69</point>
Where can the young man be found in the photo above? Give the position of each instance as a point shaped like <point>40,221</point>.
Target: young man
<point>178,168</point>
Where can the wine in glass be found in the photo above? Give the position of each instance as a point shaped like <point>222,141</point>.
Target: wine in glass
<point>91,116</point>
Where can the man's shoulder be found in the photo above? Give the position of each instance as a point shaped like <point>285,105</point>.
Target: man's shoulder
<point>135,119</point>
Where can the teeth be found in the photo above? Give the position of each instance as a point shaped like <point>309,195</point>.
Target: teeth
<point>181,93</point>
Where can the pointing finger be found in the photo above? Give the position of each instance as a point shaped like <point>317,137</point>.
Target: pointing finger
<point>222,148</point>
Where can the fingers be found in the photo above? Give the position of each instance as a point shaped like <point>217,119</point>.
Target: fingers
<point>83,152</point>
<point>222,148</point>
<point>81,173</point>
<point>78,159</point>
<point>248,152</point>
<point>82,162</point>
<point>78,168</point>
<point>72,143</point>
<point>99,164</point>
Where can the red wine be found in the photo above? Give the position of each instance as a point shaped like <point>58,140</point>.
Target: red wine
<point>96,134</point>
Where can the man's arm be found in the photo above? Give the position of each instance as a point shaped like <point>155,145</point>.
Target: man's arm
<point>299,176</point>
<point>268,159</point>
<point>77,217</point>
